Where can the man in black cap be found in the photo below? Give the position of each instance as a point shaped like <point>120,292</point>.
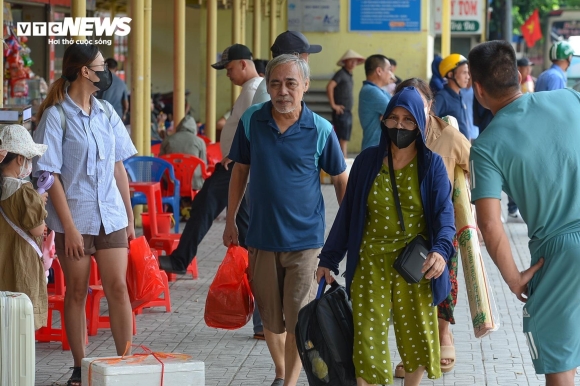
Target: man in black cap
<point>212,199</point>
<point>289,42</point>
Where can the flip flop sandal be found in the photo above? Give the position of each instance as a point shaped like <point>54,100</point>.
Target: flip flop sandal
<point>259,336</point>
<point>448,352</point>
<point>400,371</point>
<point>75,379</point>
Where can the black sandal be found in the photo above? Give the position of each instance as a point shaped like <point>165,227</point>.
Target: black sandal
<point>75,378</point>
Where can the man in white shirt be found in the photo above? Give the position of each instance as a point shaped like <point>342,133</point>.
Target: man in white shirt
<point>212,199</point>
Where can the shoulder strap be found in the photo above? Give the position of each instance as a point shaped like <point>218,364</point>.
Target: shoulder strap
<point>395,190</point>
<point>106,108</point>
<point>22,234</point>
<point>62,117</point>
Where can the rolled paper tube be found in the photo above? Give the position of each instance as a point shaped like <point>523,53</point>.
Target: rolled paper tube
<point>483,311</point>
<point>45,181</point>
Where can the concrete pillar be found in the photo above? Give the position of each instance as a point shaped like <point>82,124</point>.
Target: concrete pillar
<point>146,109</point>
<point>257,30</point>
<point>508,22</point>
<point>273,12</point>
<point>113,9</point>
<point>78,9</point>
<point>178,61</point>
<point>236,37</point>
<point>1,61</point>
<point>446,28</point>
<point>243,10</point>
<point>210,79</point>
<point>137,61</point>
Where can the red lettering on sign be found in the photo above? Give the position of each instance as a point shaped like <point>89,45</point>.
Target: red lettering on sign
<point>467,7</point>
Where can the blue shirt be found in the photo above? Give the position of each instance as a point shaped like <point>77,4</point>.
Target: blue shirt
<point>286,205</point>
<point>468,96</point>
<point>448,102</point>
<point>85,159</point>
<point>553,78</point>
<point>530,151</point>
<point>372,102</point>
<point>115,94</point>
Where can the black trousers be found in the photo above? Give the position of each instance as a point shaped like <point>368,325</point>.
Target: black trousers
<point>209,202</point>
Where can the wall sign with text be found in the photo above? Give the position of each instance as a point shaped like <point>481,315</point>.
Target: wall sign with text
<point>467,16</point>
<point>385,15</point>
<point>314,15</point>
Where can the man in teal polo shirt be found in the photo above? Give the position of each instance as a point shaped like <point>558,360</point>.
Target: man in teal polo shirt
<point>284,145</point>
<point>372,99</point>
<point>530,150</point>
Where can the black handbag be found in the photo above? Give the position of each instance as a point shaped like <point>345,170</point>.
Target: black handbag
<point>410,261</point>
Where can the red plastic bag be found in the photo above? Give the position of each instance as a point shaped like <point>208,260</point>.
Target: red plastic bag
<point>230,302</point>
<point>144,280</point>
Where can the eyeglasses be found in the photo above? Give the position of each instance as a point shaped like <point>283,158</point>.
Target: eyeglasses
<point>104,65</point>
<point>407,123</point>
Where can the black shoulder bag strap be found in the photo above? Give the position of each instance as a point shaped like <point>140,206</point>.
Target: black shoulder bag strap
<point>395,190</point>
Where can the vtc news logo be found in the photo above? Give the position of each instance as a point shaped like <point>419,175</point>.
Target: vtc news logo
<point>78,26</point>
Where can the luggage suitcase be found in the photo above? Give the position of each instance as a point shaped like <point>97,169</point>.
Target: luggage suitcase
<point>17,357</point>
<point>324,336</point>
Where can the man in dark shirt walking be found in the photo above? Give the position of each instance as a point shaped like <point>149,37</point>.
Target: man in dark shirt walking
<point>339,91</point>
<point>117,94</point>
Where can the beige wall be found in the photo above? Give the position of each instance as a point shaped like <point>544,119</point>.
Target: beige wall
<point>162,51</point>
<point>413,51</point>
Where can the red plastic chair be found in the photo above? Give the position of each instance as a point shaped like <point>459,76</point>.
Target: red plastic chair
<point>205,139</point>
<point>184,166</point>
<point>94,319</point>
<point>51,334</point>
<point>58,287</point>
<point>214,155</point>
<point>168,243</point>
<point>155,149</point>
<point>164,301</point>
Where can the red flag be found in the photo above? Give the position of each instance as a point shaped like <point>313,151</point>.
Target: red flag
<point>531,29</point>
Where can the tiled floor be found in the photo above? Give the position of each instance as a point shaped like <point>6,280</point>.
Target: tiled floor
<point>235,358</point>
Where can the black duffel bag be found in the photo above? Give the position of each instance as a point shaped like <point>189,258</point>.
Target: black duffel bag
<point>324,336</point>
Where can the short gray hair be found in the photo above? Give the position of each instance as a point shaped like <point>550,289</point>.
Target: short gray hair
<point>285,59</point>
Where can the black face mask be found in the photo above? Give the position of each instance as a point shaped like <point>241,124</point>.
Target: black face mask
<point>105,79</point>
<point>402,138</point>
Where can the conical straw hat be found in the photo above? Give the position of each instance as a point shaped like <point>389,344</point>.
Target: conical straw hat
<point>350,54</point>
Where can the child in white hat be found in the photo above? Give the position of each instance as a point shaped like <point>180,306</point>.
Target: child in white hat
<point>22,217</point>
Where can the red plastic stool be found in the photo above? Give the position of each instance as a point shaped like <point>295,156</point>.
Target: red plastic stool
<point>58,287</point>
<point>94,278</point>
<point>164,301</point>
<point>165,243</point>
<point>94,319</point>
<point>50,334</point>
<point>192,268</point>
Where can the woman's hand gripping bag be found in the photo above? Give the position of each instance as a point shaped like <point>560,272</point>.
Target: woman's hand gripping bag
<point>144,281</point>
<point>230,303</point>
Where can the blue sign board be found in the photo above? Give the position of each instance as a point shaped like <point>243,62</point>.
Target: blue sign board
<point>385,15</point>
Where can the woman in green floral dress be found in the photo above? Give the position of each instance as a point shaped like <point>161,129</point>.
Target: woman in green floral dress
<point>368,227</point>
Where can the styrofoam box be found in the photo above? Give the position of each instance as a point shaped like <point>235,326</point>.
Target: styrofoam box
<point>142,371</point>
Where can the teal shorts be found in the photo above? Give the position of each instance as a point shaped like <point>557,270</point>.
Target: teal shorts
<point>551,316</point>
